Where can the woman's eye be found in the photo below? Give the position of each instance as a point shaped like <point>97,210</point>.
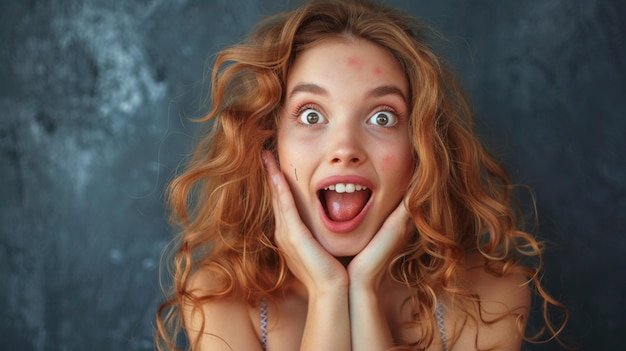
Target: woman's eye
<point>311,116</point>
<point>383,119</point>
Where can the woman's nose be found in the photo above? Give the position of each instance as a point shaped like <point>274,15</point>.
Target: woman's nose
<point>345,146</point>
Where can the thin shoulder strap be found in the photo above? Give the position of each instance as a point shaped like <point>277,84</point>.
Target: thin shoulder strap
<point>264,324</point>
<point>442,329</point>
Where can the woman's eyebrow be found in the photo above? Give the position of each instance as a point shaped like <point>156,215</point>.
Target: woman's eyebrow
<point>384,90</point>
<point>380,91</point>
<point>308,88</point>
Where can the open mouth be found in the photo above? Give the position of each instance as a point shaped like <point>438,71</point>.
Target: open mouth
<point>343,202</point>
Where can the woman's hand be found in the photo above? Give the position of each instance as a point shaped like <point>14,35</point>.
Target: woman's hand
<point>307,259</point>
<point>369,328</point>
<point>327,325</point>
<point>368,268</point>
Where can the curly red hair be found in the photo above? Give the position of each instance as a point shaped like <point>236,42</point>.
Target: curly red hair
<point>459,198</point>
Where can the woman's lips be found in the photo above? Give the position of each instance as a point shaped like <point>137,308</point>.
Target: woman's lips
<point>356,203</point>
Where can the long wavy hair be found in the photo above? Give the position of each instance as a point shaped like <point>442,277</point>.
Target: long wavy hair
<point>459,197</point>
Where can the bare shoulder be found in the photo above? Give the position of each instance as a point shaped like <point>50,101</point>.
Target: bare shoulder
<point>222,323</point>
<point>502,311</point>
<point>501,293</point>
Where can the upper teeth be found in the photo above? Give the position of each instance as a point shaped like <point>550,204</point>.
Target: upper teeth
<point>345,188</point>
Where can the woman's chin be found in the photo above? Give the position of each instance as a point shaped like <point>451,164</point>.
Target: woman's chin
<point>345,250</point>
<point>340,244</point>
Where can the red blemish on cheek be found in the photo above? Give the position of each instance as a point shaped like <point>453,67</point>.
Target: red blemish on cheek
<point>388,162</point>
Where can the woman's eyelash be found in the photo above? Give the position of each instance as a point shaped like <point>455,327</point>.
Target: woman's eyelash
<point>387,108</point>
<point>301,108</point>
<point>297,112</point>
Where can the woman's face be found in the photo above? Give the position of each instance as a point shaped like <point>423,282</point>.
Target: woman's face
<point>343,141</point>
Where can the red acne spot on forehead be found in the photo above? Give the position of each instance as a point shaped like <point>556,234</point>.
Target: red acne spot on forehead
<point>377,70</point>
<point>355,62</point>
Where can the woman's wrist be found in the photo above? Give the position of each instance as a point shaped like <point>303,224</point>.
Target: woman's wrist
<point>328,291</point>
<point>362,285</point>
<point>362,293</point>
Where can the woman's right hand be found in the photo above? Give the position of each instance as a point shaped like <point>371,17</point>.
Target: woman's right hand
<point>318,270</point>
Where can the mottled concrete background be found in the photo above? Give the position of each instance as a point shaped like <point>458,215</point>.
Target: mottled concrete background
<point>94,97</point>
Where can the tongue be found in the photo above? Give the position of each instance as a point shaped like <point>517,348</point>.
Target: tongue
<point>344,206</point>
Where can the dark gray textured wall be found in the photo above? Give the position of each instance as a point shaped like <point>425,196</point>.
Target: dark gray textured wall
<point>93,100</point>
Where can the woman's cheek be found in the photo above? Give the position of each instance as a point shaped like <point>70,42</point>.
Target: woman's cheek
<point>389,163</point>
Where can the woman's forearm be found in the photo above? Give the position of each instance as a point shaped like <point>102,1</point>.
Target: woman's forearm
<point>328,321</point>
<point>369,327</point>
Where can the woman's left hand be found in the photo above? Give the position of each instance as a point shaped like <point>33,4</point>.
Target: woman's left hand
<point>369,327</point>
<point>368,267</point>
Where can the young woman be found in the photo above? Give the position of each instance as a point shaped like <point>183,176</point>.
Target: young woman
<point>342,201</point>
